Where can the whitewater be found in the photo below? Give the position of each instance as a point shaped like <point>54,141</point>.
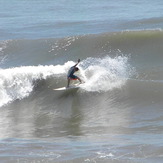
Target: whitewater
<point>116,116</point>
<point>19,82</point>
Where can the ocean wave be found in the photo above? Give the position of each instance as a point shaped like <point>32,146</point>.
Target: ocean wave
<point>18,82</point>
<point>99,74</point>
<point>108,61</point>
<point>143,46</point>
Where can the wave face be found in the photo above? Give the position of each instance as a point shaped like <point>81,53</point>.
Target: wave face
<point>108,61</point>
<point>119,105</point>
<point>144,46</point>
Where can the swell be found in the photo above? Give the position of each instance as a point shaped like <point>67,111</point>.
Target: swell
<point>143,46</point>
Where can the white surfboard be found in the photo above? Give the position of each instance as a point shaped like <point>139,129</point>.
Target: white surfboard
<point>75,86</point>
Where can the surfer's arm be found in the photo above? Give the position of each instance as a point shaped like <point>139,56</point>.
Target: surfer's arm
<point>77,63</point>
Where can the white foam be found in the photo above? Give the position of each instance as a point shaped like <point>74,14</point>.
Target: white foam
<point>17,83</point>
<point>106,73</point>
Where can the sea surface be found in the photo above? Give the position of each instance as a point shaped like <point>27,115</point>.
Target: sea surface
<point>116,116</point>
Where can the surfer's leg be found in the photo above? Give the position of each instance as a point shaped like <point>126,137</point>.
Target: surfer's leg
<point>74,77</point>
<point>68,82</point>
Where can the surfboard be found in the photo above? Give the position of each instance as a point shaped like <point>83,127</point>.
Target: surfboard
<point>75,86</point>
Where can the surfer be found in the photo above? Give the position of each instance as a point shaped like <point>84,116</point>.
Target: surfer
<point>71,76</point>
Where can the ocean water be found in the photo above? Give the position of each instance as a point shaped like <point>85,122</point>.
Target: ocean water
<point>116,116</point>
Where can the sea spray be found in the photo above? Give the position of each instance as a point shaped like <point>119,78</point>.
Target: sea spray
<point>103,74</point>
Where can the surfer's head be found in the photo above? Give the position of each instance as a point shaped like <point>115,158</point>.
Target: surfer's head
<point>76,68</point>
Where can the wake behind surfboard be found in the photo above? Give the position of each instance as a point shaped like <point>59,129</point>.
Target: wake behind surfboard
<point>75,86</point>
